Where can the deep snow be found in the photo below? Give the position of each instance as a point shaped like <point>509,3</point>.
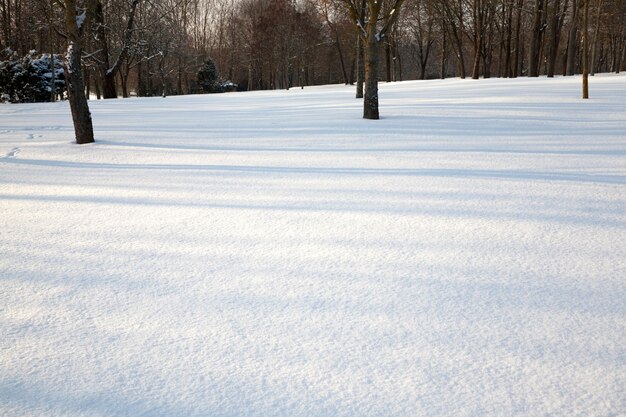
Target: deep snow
<point>273,254</point>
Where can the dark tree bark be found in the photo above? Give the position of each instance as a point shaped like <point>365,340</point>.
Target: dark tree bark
<point>556,25</point>
<point>341,60</point>
<point>508,41</point>
<point>370,96</point>
<point>585,51</point>
<point>422,34</point>
<point>535,39</point>
<point>372,38</point>
<point>477,19</point>
<point>360,66</point>
<point>594,42</point>
<point>388,62</point>
<point>454,16</point>
<point>444,52</point>
<point>108,80</point>
<point>52,66</point>
<point>81,116</point>
<point>108,70</point>
<point>360,52</point>
<point>572,41</point>
<point>518,41</point>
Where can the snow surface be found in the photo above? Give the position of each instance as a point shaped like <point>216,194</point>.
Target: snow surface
<point>273,254</point>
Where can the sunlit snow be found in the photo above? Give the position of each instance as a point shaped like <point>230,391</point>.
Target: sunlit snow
<point>273,254</point>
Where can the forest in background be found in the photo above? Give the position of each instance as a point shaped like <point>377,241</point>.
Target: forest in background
<point>157,47</point>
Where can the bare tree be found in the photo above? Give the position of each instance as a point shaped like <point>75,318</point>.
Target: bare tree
<point>372,34</point>
<point>73,74</point>
<point>585,51</point>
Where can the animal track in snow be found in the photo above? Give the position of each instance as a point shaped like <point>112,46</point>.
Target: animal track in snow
<point>12,153</point>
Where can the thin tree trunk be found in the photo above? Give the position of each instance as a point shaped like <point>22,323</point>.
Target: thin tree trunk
<point>442,68</point>
<point>250,72</point>
<point>535,40</point>
<point>108,79</point>
<point>87,82</point>
<point>621,57</point>
<point>141,89</point>
<point>594,42</point>
<point>585,49</point>
<point>53,92</point>
<point>478,37</point>
<point>341,61</point>
<point>518,42</point>
<point>360,70</point>
<point>461,55</point>
<point>572,44</point>
<point>360,51</point>
<point>124,83</point>
<point>387,62</point>
<point>507,41</point>
<point>556,24</point>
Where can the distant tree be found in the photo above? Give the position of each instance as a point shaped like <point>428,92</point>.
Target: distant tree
<point>208,77</point>
<point>421,32</point>
<point>108,63</point>
<point>556,21</point>
<point>536,38</point>
<point>585,51</point>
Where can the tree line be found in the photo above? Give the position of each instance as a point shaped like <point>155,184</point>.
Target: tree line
<point>157,47</point>
<point>144,47</point>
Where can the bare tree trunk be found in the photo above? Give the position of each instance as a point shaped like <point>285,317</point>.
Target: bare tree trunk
<point>476,63</point>
<point>460,55</point>
<point>250,74</point>
<point>585,49</point>
<point>108,71</point>
<point>179,78</point>
<point>387,61</point>
<point>396,60</point>
<point>52,66</point>
<point>343,66</point>
<point>141,88</point>
<point>108,79</point>
<point>535,40</point>
<point>96,86</point>
<point>81,116</point>
<point>444,52</point>
<point>87,77</point>
<point>618,51</point>
<point>478,37</point>
<point>508,42</point>
<point>360,71</point>
<point>370,104</point>
<point>572,41</point>
<point>594,42</point>
<point>162,76</point>
<point>372,37</point>
<point>556,24</point>
<point>518,41</point>
<point>53,89</point>
<point>124,83</point>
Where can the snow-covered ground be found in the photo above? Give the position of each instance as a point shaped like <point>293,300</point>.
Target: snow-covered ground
<point>273,254</point>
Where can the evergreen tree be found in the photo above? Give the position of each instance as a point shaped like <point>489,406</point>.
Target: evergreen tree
<point>208,78</point>
<point>28,79</point>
